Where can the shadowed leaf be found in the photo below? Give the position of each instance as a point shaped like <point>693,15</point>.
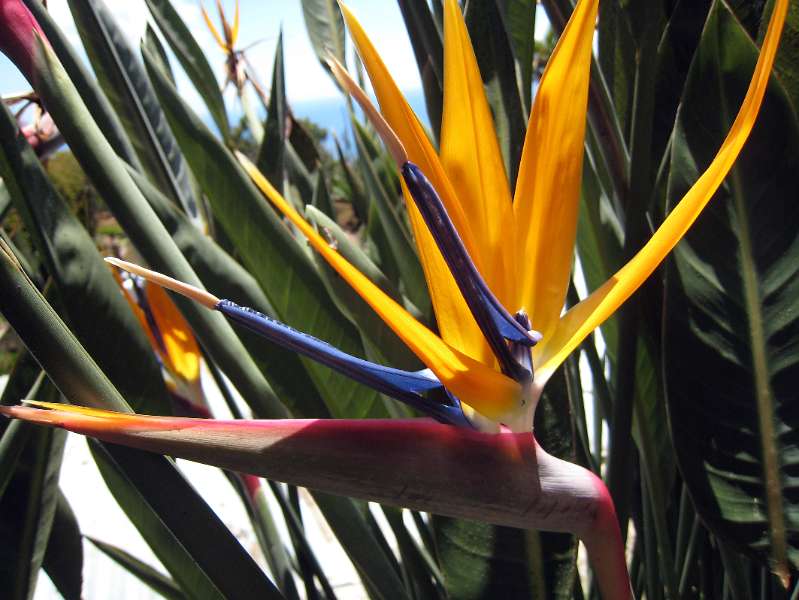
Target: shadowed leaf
<point>731,353</point>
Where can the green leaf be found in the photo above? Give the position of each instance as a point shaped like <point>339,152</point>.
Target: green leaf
<point>519,19</point>
<point>28,506</point>
<point>90,92</point>
<point>376,245</point>
<point>169,513</point>
<point>191,58</point>
<point>355,193</point>
<point>111,179</point>
<point>428,49</point>
<point>599,243</point>
<point>203,569</point>
<point>786,64</point>
<point>325,25</point>
<point>495,58</point>
<point>650,431</point>
<point>675,52</point>
<point>24,375</point>
<point>349,249</point>
<point>50,342</point>
<point>298,174</point>
<point>731,310</point>
<point>157,51</point>
<point>321,197</point>
<point>63,559</point>
<point>86,288</point>
<point>485,561</point>
<point>303,143</point>
<point>5,200</point>
<point>608,107</point>
<point>271,160</point>
<point>24,255</point>
<point>23,381</point>
<point>616,55</point>
<point>125,83</point>
<point>220,273</point>
<point>276,260</point>
<point>400,243</point>
<point>151,577</point>
<point>308,564</point>
<point>12,444</point>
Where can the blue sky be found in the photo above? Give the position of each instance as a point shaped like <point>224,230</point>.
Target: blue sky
<point>261,20</point>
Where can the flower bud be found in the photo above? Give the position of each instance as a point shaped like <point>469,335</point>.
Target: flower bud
<point>17,37</point>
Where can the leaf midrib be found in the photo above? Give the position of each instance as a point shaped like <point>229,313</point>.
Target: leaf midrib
<point>763,392</point>
<point>764,395</point>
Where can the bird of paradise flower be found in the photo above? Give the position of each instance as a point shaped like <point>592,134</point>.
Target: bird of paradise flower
<point>497,268</point>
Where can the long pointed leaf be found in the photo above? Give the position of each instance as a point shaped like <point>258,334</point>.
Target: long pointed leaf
<point>253,493</point>
<point>325,26</point>
<point>154,46</point>
<point>165,497</point>
<point>28,508</point>
<point>124,81</point>
<point>275,259</point>
<point>155,580</point>
<point>191,58</point>
<point>428,50</point>
<point>74,264</point>
<point>63,559</point>
<point>731,309</point>
<point>495,57</point>
<point>111,179</point>
<point>519,19</point>
<point>271,160</point>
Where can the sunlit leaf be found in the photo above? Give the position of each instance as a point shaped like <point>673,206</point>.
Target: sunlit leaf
<point>276,260</point>
<point>191,58</point>
<point>75,265</point>
<point>124,81</point>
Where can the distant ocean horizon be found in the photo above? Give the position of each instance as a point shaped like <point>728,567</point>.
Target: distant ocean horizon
<point>331,114</point>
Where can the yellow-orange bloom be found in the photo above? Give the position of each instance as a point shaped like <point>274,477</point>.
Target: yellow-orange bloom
<point>522,245</point>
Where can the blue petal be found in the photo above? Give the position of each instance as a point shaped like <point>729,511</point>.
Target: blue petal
<point>496,323</point>
<point>405,386</point>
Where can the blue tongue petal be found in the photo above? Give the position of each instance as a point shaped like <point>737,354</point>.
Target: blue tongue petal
<point>405,386</point>
<point>496,323</point>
